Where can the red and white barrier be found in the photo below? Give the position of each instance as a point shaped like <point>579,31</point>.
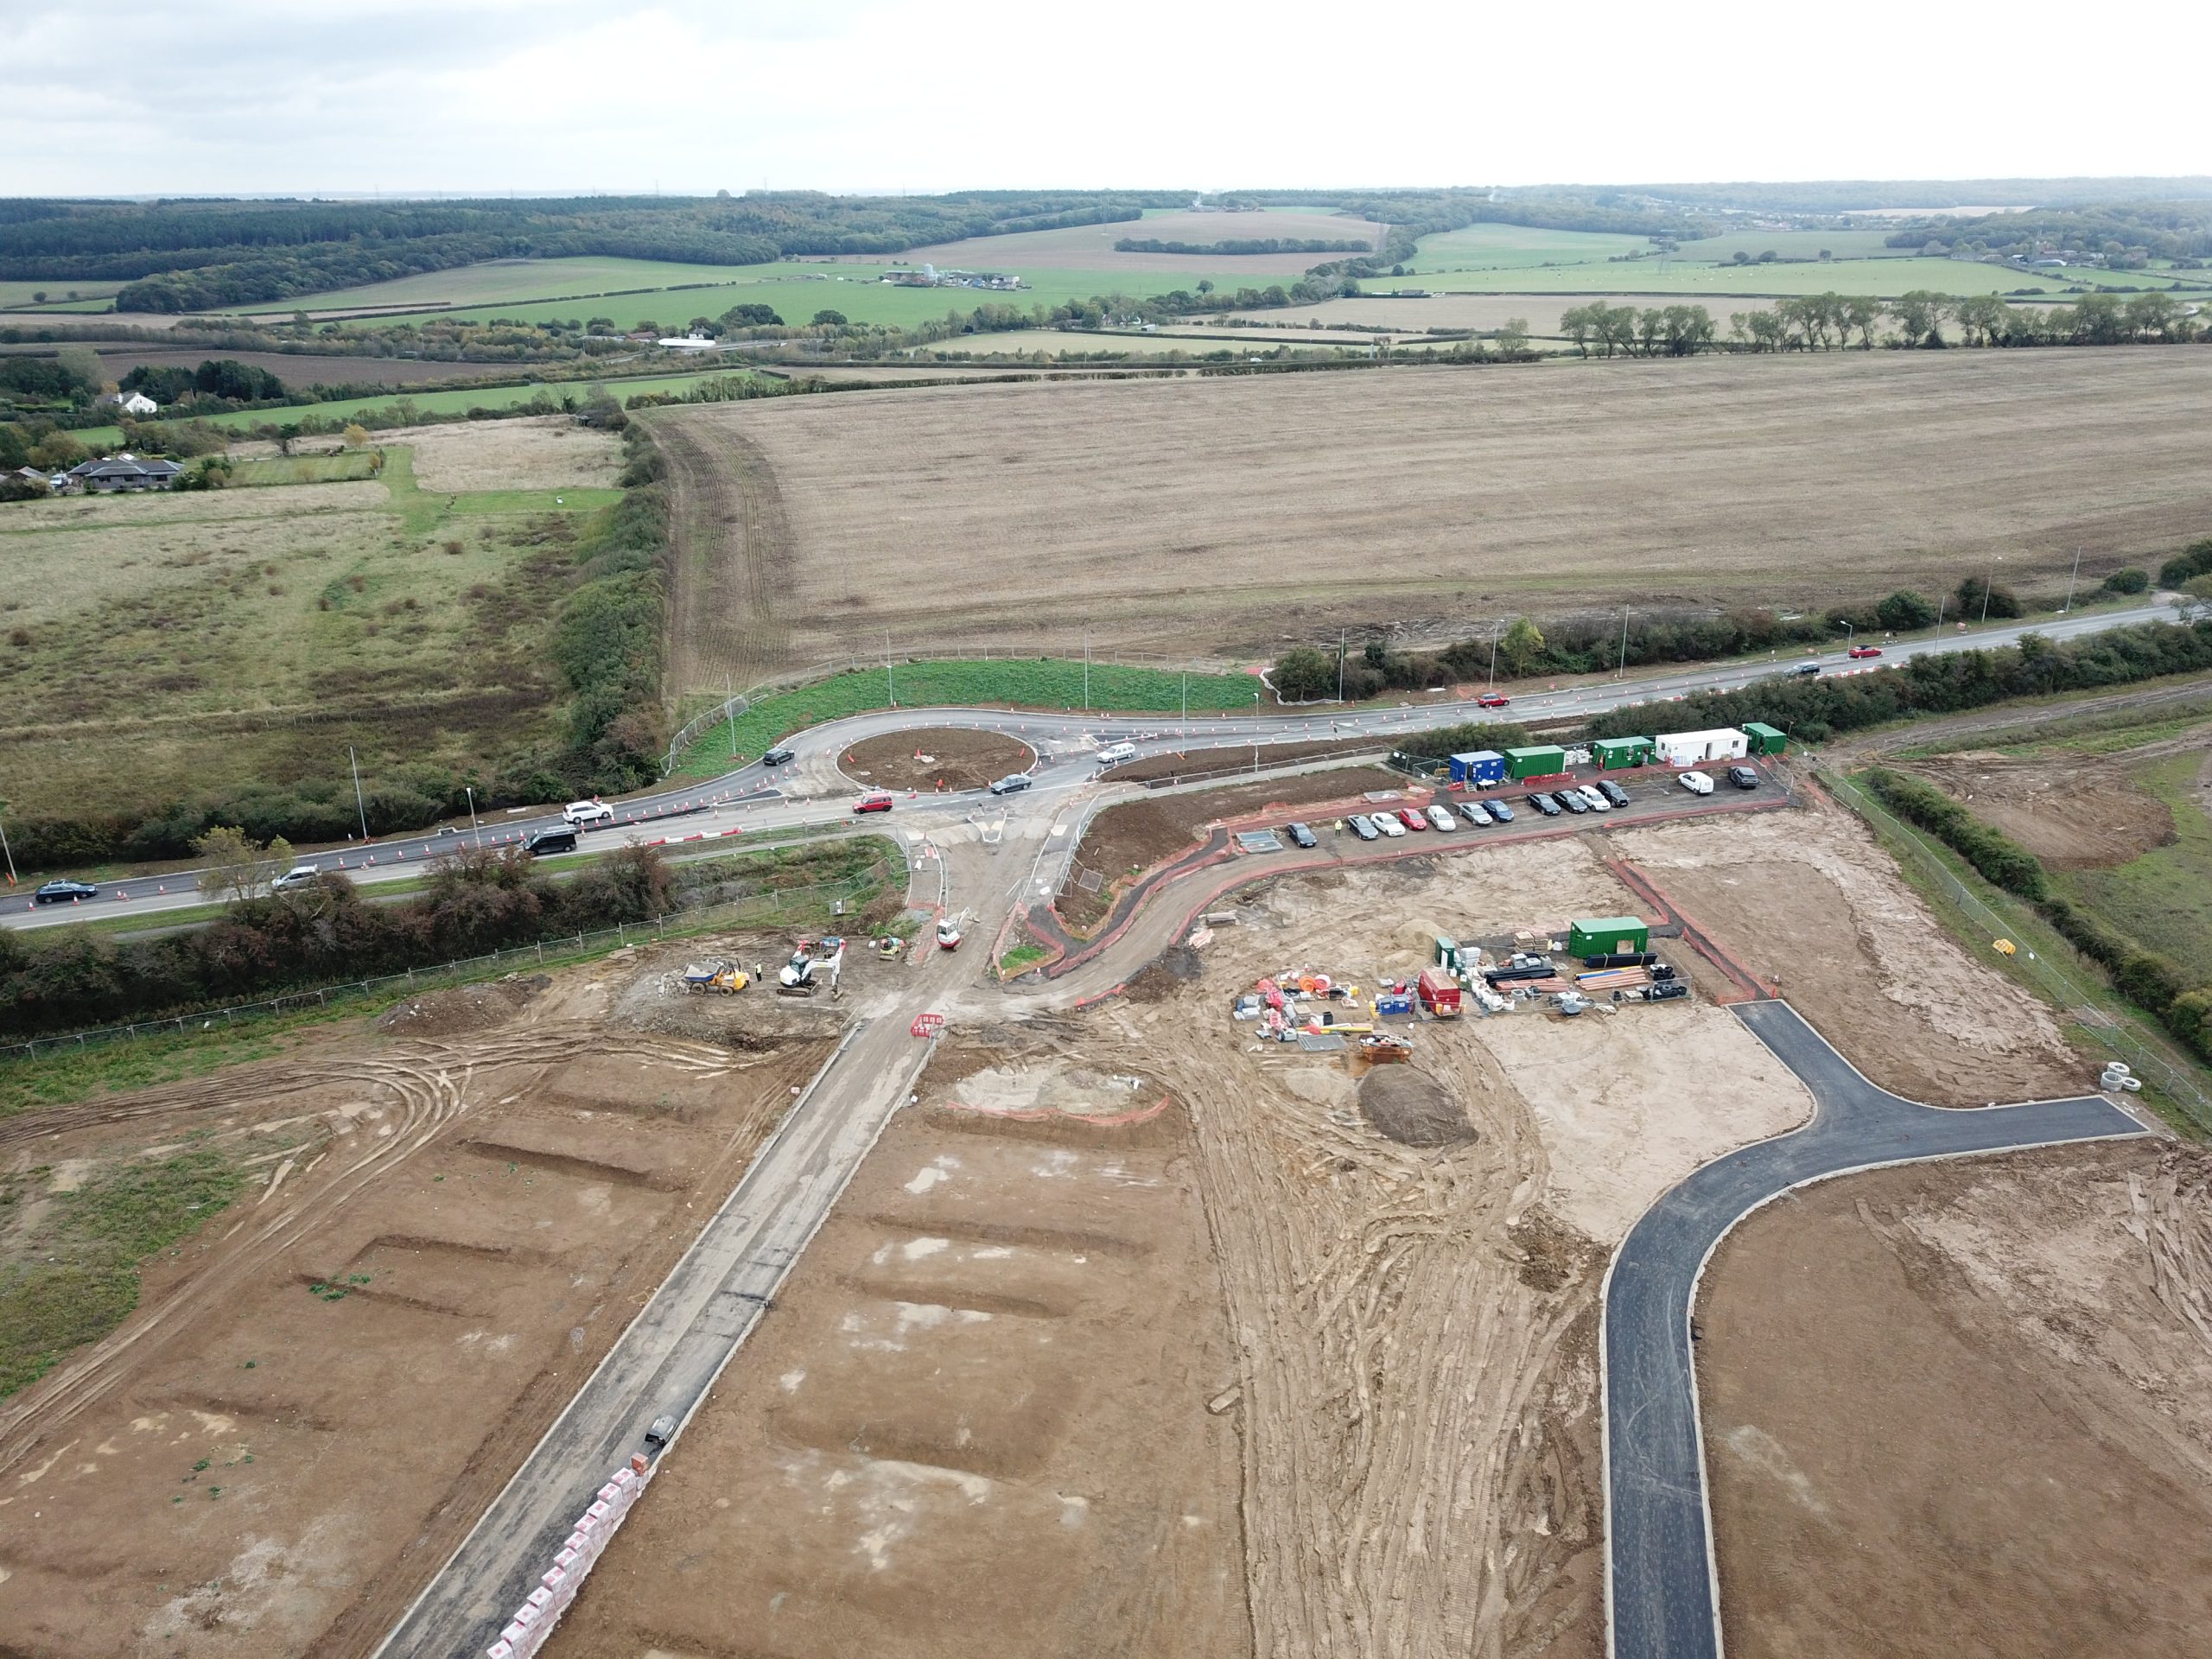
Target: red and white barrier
<point>533,1621</point>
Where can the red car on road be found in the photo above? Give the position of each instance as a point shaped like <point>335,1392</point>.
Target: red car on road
<point>1866,651</point>
<point>1492,700</point>
<point>1412,817</point>
<point>877,800</point>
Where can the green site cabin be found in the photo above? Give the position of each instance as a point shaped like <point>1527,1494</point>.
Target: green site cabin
<point>1606,936</point>
<point>1613,753</point>
<point>1541,762</point>
<point>1765,739</point>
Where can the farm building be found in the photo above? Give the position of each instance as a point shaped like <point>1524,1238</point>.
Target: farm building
<point>127,403</point>
<point>1694,748</point>
<point>1765,739</point>
<point>1602,936</point>
<point>1546,761</point>
<point>1613,753</point>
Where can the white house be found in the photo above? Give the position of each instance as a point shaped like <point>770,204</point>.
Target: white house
<point>130,402</point>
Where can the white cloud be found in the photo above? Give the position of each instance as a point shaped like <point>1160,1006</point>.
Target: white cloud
<point>555,95</point>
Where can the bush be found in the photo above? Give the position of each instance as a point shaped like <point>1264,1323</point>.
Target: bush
<point>2127,582</point>
<point>1999,859</point>
<point>2002,601</point>
<point>1904,611</point>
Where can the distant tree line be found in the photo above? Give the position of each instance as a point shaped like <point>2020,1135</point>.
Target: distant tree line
<point>1817,322</point>
<point>2124,234</point>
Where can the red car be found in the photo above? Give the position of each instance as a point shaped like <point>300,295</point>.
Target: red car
<point>1866,651</point>
<point>1412,817</point>
<point>1492,700</point>
<point>878,800</point>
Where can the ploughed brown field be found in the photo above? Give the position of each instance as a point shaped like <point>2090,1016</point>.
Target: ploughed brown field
<point>1240,514</point>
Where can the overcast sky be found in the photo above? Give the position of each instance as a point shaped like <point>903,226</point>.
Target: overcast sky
<point>692,96</point>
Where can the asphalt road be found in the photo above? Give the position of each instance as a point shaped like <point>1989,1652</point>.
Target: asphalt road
<point>1662,1591</point>
<point>809,791</point>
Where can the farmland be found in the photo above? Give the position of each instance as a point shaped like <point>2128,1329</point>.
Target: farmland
<point>165,646</point>
<point>1236,514</point>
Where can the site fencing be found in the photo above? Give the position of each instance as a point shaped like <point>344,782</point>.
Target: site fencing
<point>2178,1080</point>
<point>766,907</point>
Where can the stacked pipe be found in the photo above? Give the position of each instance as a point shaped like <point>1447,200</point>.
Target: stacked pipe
<point>533,1621</point>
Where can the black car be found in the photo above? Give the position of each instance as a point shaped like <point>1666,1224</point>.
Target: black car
<point>1742,778</point>
<point>1612,792</point>
<point>1013,784</point>
<point>1299,834</point>
<point>1542,802</point>
<point>561,840</point>
<point>778,757</point>
<point>1499,810</point>
<point>1572,801</point>
<point>1363,826</point>
<point>64,893</point>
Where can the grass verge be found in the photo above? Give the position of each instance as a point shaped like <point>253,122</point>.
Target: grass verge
<point>1038,683</point>
<point>1020,958</point>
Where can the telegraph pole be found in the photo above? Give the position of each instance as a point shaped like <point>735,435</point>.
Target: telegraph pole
<point>1086,670</point>
<point>1340,665</point>
<point>360,805</point>
<point>2071,580</point>
<point>9,856</point>
<point>729,710</point>
<point>890,688</point>
<point>1621,668</point>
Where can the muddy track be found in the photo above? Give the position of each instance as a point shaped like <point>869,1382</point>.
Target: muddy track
<point>734,560</point>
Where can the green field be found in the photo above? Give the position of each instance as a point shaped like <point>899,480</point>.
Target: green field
<point>1027,682</point>
<point>16,296</point>
<point>167,646</point>
<point>501,281</point>
<point>2164,899</point>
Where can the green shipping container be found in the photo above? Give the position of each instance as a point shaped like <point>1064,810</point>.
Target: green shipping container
<point>1535,763</point>
<point>1606,935</point>
<point>1765,740</point>
<point>1613,753</point>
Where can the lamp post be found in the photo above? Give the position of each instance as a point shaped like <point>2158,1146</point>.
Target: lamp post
<point>1086,670</point>
<point>1849,633</point>
<point>1340,665</point>
<point>2071,580</point>
<point>890,687</point>
<point>1620,669</point>
<point>360,805</point>
<point>729,710</point>
<point>1988,582</point>
<point>5,852</point>
<point>1494,628</point>
<point>475,831</point>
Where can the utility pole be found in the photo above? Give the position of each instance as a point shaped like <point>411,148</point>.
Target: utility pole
<point>1186,696</point>
<point>475,830</point>
<point>1940,601</point>
<point>1086,670</point>
<point>1621,668</point>
<point>360,805</point>
<point>890,688</point>
<point>1340,665</point>
<point>1494,628</point>
<point>5,852</point>
<point>1989,583</point>
<point>729,711</point>
<point>2070,581</point>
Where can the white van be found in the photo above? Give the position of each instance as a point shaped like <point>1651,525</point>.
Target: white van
<point>1114,755</point>
<point>1697,783</point>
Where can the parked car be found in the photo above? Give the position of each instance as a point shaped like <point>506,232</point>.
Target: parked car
<point>1697,783</point>
<point>1571,800</point>
<point>1594,799</point>
<point>876,800</point>
<point>1742,778</point>
<point>778,757</point>
<point>1542,802</point>
<point>1388,824</point>
<point>542,842</point>
<point>1612,792</point>
<point>64,893</point>
<point>662,1432</point>
<point>1440,815</point>
<point>588,815</point>
<point>1013,784</point>
<point>1492,700</point>
<point>1363,826</point>
<point>1499,810</point>
<point>1866,651</point>
<point>300,876</point>
<point>1412,817</point>
<point>1299,834</point>
<point>1474,812</point>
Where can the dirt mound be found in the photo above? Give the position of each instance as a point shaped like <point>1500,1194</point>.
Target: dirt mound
<point>463,1008</point>
<point>1177,965</point>
<point>940,758</point>
<point>1412,1108</point>
<point>1035,1093</point>
<point>2083,814</point>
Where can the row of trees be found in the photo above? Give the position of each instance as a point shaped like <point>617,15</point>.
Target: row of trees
<point>1833,322</point>
<point>1656,331</point>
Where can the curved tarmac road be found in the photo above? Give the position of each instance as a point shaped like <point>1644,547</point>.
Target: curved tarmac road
<point>1662,1593</point>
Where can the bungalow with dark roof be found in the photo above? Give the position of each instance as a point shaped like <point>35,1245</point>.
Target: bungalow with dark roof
<point>123,472</point>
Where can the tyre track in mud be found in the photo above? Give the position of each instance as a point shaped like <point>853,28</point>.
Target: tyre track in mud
<point>1400,1359</point>
<point>733,558</point>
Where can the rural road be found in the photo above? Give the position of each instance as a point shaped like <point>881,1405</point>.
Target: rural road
<point>752,798</point>
<point>1663,1593</point>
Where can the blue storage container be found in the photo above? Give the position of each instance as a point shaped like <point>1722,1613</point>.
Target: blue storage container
<point>1479,769</point>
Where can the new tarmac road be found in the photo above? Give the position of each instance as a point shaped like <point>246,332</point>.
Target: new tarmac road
<point>1662,1593</point>
<point>752,797</point>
